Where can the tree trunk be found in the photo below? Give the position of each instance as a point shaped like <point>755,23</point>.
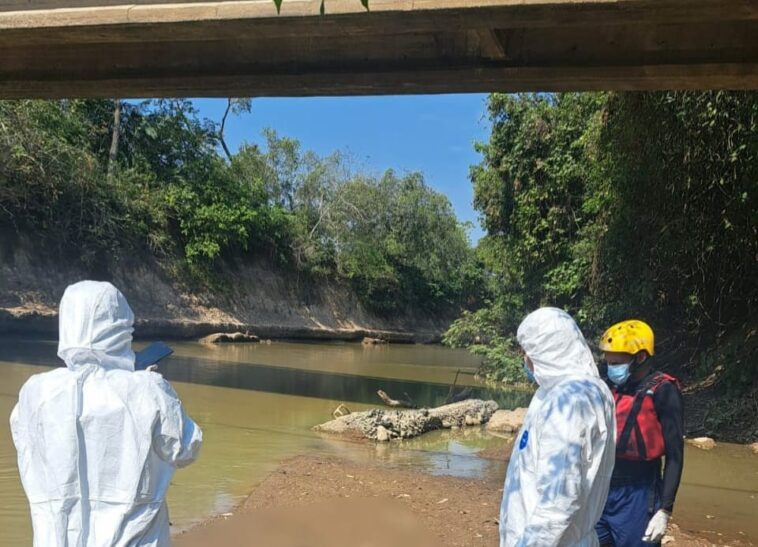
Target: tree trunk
<point>113,153</point>
<point>221,130</point>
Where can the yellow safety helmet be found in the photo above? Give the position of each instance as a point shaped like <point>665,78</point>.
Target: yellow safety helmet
<point>630,336</point>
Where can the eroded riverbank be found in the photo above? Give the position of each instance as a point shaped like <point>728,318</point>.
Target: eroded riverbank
<point>257,296</point>
<point>42,320</point>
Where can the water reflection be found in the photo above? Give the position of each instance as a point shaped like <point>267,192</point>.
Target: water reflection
<point>334,372</point>
<point>323,385</point>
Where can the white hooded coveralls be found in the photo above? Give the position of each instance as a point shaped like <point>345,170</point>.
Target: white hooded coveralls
<point>97,442</point>
<point>562,460</point>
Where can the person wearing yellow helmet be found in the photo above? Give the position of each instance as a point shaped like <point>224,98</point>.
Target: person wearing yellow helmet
<point>649,428</point>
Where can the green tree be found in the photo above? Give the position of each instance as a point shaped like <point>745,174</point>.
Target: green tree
<point>170,191</point>
<point>621,205</point>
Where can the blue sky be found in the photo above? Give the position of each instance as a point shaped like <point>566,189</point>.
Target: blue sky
<point>434,134</point>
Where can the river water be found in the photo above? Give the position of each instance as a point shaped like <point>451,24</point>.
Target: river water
<point>256,404</point>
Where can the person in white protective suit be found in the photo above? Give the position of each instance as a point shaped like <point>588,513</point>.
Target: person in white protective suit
<point>562,460</point>
<point>97,442</point>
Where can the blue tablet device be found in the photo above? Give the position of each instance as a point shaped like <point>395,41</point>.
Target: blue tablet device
<point>151,355</point>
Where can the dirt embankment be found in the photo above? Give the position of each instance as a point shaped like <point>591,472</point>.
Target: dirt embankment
<point>325,502</point>
<point>256,297</point>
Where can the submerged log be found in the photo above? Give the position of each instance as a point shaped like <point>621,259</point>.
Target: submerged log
<point>369,341</point>
<point>384,425</point>
<point>462,395</point>
<point>229,337</point>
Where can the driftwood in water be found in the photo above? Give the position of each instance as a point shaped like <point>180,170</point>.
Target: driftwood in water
<point>407,402</point>
<point>385,425</point>
<point>229,338</point>
<point>341,410</point>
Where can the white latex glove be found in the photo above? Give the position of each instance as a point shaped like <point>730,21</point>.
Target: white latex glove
<point>656,528</point>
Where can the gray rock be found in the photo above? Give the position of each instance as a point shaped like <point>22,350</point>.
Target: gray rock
<point>703,443</point>
<point>382,434</point>
<point>507,421</point>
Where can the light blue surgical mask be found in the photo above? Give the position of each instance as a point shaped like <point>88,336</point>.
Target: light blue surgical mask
<point>529,373</point>
<point>619,373</point>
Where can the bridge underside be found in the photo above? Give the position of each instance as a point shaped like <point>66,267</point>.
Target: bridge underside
<point>98,48</point>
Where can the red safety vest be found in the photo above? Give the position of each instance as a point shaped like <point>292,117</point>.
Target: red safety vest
<point>639,435</point>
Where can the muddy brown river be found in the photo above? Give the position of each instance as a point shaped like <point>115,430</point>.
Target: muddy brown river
<point>257,403</point>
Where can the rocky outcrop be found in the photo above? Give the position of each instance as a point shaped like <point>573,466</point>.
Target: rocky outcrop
<point>703,443</point>
<point>384,425</point>
<point>507,421</point>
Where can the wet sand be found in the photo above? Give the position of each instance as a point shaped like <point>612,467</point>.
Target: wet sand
<point>317,501</point>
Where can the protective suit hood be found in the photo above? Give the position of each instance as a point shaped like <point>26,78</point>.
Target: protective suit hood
<point>556,346</point>
<point>95,327</point>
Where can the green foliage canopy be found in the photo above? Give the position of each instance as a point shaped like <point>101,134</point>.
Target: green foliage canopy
<point>174,195</point>
<point>615,206</point>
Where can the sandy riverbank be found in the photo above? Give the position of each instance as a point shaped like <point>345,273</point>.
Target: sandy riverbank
<point>320,502</point>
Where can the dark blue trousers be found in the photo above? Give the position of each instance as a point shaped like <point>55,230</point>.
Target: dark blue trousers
<point>627,513</point>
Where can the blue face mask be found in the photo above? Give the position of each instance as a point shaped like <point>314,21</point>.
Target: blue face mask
<point>619,373</point>
<point>529,373</point>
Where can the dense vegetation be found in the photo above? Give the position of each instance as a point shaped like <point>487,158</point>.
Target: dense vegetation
<point>623,205</point>
<point>101,180</point>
